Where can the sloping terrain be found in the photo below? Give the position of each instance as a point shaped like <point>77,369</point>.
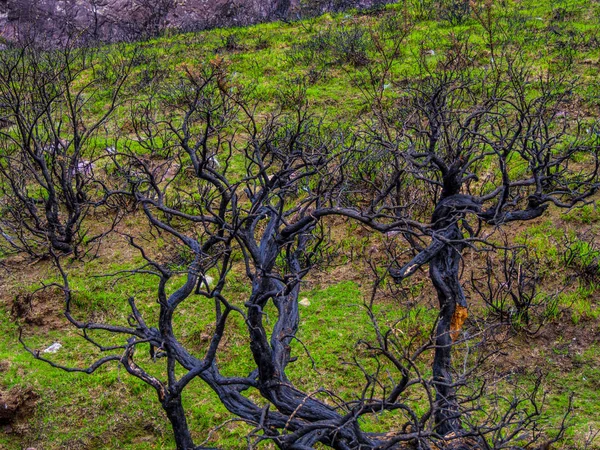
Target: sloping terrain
<point>331,56</point>
<point>126,19</point>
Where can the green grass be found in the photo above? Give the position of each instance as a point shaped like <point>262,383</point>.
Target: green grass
<point>110,409</point>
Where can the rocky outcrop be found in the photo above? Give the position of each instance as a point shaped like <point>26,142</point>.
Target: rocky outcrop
<point>112,20</point>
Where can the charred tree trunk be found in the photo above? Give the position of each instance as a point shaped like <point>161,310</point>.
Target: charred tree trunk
<point>176,415</point>
<point>444,271</point>
<point>443,256</point>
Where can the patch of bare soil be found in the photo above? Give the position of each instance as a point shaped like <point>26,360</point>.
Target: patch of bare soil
<point>16,405</point>
<point>557,346</point>
<point>43,309</point>
<point>18,271</point>
<point>565,342</point>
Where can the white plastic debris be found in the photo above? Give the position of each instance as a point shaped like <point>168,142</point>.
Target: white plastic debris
<point>53,348</point>
<point>213,162</point>
<point>304,302</point>
<point>84,167</point>
<point>207,282</point>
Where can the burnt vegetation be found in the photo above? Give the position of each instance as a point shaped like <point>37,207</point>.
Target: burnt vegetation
<point>441,163</point>
<point>48,184</point>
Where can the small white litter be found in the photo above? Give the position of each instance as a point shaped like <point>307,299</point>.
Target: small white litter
<point>53,348</point>
<point>206,282</point>
<point>304,302</point>
<point>83,167</point>
<point>213,162</point>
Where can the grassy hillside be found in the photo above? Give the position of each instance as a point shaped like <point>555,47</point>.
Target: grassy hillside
<point>330,61</point>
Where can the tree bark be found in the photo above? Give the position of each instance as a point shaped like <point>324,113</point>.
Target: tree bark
<point>444,272</point>
<point>176,415</point>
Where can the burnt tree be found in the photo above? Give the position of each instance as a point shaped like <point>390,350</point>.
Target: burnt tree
<point>245,195</point>
<point>484,146</point>
<point>49,152</point>
<point>271,219</point>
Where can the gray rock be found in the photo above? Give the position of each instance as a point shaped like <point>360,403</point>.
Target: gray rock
<point>124,19</point>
